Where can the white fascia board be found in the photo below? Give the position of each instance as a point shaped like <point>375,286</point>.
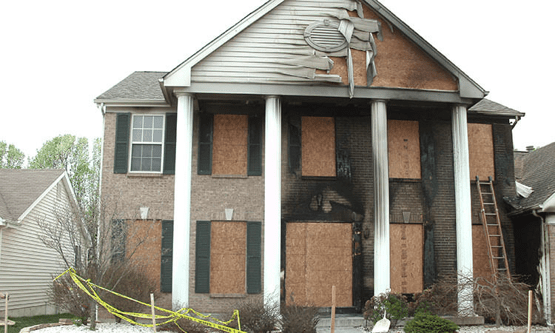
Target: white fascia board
<point>181,75</point>
<point>132,103</point>
<point>468,87</point>
<point>39,199</point>
<point>548,205</point>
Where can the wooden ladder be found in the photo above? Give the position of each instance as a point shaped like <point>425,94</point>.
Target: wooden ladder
<point>489,215</point>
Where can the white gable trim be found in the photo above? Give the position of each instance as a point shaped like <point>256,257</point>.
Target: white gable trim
<point>181,75</point>
<point>67,184</point>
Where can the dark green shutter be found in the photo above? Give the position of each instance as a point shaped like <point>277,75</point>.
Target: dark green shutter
<point>294,148</point>
<point>205,144</point>
<point>167,257</point>
<point>254,260</point>
<point>169,144</point>
<point>202,258</point>
<point>255,146</point>
<point>122,142</point>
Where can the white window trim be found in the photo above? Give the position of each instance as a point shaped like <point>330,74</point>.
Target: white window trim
<point>131,143</point>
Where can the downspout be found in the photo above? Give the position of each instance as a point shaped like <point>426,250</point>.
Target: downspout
<point>546,280</point>
<point>102,107</point>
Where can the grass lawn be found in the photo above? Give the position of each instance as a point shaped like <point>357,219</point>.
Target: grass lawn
<point>21,322</point>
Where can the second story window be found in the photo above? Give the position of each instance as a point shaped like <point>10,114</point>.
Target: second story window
<point>147,138</point>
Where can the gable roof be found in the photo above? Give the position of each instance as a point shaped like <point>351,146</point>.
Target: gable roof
<point>538,172</point>
<point>181,75</point>
<point>20,189</point>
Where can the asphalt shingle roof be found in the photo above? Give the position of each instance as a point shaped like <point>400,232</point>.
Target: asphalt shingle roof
<point>137,86</point>
<point>537,172</point>
<point>20,188</point>
<point>487,107</point>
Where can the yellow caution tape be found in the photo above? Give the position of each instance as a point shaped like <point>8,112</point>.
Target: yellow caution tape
<point>171,316</point>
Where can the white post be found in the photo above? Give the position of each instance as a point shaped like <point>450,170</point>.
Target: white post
<point>272,201</point>
<point>382,282</point>
<point>182,200</point>
<point>463,210</point>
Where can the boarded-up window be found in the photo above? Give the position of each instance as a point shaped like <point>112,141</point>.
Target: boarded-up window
<point>480,256</point>
<point>230,144</point>
<point>319,256</point>
<point>403,142</point>
<point>229,155</point>
<point>480,149</point>
<point>228,257</point>
<point>318,147</point>
<point>407,258</point>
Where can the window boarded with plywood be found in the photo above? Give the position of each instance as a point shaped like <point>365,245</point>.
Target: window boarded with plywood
<point>480,149</point>
<point>407,258</point>
<point>318,146</point>
<point>480,256</point>
<point>403,142</point>
<point>227,258</point>
<point>229,156</point>
<point>319,256</point>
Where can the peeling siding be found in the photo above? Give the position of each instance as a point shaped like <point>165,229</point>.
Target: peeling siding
<point>26,265</point>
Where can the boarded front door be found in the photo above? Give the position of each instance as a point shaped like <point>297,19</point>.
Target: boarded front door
<point>407,260</point>
<point>318,257</point>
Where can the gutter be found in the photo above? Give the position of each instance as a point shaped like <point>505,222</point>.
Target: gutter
<point>545,262</point>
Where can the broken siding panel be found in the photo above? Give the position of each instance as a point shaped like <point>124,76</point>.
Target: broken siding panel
<point>26,265</point>
<point>276,33</point>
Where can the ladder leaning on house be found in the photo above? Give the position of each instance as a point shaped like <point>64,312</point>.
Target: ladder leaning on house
<point>489,215</point>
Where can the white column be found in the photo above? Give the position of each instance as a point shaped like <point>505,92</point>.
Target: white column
<point>463,209</point>
<point>182,200</point>
<point>272,201</point>
<point>380,159</point>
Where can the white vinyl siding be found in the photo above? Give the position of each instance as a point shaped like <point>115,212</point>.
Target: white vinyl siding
<point>273,49</point>
<point>26,265</point>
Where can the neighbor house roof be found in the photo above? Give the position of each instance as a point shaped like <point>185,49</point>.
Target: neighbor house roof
<point>21,188</point>
<point>537,173</point>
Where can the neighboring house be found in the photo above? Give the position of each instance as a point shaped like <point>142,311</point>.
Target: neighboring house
<point>323,142</point>
<point>534,220</point>
<point>27,198</point>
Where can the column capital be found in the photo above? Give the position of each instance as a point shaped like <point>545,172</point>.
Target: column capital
<point>267,97</point>
<point>179,93</point>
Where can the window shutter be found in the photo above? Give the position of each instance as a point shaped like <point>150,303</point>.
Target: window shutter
<point>294,148</point>
<point>254,268</point>
<point>255,146</point>
<point>202,262</point>
<point>170,141</point>
<point>167,257</point>
<point>205,144</point>
<point>122,142</point>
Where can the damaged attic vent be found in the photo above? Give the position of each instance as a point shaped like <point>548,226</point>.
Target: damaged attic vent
<point>324,36</point>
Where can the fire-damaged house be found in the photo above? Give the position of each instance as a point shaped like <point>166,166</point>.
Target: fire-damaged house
<point>313,144</point>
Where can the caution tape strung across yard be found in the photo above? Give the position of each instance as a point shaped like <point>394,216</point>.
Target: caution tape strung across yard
<point>170,316</point>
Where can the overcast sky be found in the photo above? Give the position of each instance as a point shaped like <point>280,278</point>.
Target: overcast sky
<point>56,56</point>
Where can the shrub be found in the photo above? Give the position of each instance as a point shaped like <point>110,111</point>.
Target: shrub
<point>393,305</point>
<point>297,318</point>
<point>133,283</point>
<point>425,322</point>
<point>69,297</point>
<point>257,317</point>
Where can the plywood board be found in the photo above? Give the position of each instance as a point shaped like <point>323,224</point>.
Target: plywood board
<point>229,155</point>
<point>480,149</point>
<point>403,140</point>
<point>318,146</point>
<point>480,257</point>
<point>318,256</point>
<point>407,258</point>
<point>148,254</point>
<point>227,257</point>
